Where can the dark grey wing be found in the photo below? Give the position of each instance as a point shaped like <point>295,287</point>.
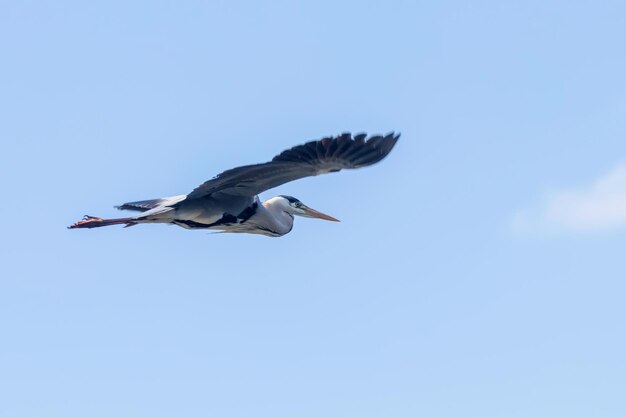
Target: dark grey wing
<point>145,205</point>
<point>312,158</point>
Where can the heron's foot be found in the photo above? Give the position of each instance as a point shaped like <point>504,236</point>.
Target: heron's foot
<point>87,222</point>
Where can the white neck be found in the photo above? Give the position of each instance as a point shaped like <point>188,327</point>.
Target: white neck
<point>275,217</point>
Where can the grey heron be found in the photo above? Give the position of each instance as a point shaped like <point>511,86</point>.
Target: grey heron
<point>230,202</point>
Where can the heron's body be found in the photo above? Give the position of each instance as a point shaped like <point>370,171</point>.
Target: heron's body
<point>237,215</point>
<point>230,202</point>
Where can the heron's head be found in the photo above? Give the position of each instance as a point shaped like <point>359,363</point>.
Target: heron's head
<point>296,207</point>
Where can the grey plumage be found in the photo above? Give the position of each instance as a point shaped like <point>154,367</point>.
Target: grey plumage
<point>146,205</point>
<point>312,158</point>
<point>142,206</point>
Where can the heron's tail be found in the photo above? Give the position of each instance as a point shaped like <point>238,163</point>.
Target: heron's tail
<point>89,222</point>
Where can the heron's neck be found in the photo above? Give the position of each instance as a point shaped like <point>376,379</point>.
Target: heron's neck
<point>277,218</point>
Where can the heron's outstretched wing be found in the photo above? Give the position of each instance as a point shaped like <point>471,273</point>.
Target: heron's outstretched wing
<point>312,158</point>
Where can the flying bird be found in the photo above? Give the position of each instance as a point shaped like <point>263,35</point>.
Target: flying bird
<point>230,202</point>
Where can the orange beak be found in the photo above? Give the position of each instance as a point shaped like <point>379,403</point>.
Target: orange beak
<point>316,214</point>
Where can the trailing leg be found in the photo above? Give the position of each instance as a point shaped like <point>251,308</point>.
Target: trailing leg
<point>89,222</point>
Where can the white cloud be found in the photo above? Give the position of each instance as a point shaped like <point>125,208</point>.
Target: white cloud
<point>598,207</point>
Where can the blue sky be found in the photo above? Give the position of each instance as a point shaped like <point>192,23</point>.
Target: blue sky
<point>478,270</point>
